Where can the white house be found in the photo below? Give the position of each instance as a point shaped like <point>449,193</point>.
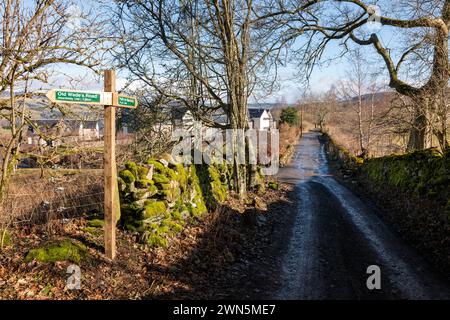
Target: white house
<point>261,119</point>
<point>56,131</point>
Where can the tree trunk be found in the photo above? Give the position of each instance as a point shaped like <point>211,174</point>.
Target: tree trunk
<point>418,131</point>
<point>253,180</point>
<point>369,127</point>
<point>360,126</point>
<point>239,172</point>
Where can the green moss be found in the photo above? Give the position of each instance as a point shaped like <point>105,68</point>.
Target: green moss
<point>140,195</point>
<point>162,229</point>
<point>161,207</point>
<point>65,250</point>
<point>218,190</point>
<point>5,238</point>
<point>132,167</point>
<point>92,230</point>
<point>358,160</point>
<point>171,174</point>
<point>157,166</point>
<point>160,179</point>
<point>169,195</point>
<point>197,208</point>
<point>129,188</point>
<point>155,240</point>
<point>96,223</point>
<point>154,209</point>
<point>121,183</point>
<point>182,176</point>
<point>164,186</point>
<point>160,169</point>
<point>194,181</point>
<point>135,226</point>
<point>142,172</point>
<point>144,183</point>
<point>423,173</point>
<point>153,190</point>
<point>174,227</point>
<point>127,176</point>
<point>176,214</point>
<point>273,185</point>
<point>131,211</point>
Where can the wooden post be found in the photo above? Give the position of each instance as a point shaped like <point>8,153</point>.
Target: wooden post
<point>109,165</point>
<point>301,120</point>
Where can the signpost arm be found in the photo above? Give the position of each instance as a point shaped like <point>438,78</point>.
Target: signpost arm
<point>109,163</point>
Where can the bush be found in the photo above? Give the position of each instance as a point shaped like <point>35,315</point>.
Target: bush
<point>290,116</point>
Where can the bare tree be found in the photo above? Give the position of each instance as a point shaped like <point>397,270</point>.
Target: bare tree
<point>353,89</point>
<point>320,107</point>
<point>359,90</point>
<point>418,67</point>
<point>207,55</point>
<point>150,127</point>
<point>35,36</point>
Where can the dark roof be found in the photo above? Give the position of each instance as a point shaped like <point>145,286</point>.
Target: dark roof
<point>214,115</point>
<point>178,113</point>
<point>70,124</point>
<point>255,113</point>
<point>90,124</point>
<point>46,123</point>
<point>220,118</point>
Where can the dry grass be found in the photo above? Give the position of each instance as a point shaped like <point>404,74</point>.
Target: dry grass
<point>61,194</point>
<point>288,137</point>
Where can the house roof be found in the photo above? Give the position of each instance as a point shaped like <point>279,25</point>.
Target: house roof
<point>255,113</point>
<point>90,124</point>
<point>215,115</point>
<point>68,124</point>
<point>178,112</point>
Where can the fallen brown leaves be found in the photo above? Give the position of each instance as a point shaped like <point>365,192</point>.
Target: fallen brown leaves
<point>215,257</point>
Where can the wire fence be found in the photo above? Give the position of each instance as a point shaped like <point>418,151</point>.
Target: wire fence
<point>32,200</point>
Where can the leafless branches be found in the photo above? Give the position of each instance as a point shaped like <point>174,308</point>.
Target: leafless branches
<point>423,27</point>
<point>35,36</point>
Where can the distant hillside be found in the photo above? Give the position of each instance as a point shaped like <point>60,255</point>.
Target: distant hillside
<point>386,95</point>
<point>41,108</point>
<point>263,105</point>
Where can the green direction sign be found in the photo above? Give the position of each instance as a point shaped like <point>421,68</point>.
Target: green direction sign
<point>71,96</point>
<point>92,97</point>
<point>126,102</point>
<point>80,97</point>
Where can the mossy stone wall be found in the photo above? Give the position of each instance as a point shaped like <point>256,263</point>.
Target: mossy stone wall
<point>344,157</point>
<point>424,173</point>
<point>158,197</point>
<point>414,191</point>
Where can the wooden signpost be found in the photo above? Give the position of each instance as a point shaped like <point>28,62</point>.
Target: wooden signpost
<point>110,99</point>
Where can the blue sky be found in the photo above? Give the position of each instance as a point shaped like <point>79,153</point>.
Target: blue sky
<point>290,87</point>
<point>289,90</point>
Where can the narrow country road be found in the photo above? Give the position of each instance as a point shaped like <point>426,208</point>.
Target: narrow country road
<point>336,237</point>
